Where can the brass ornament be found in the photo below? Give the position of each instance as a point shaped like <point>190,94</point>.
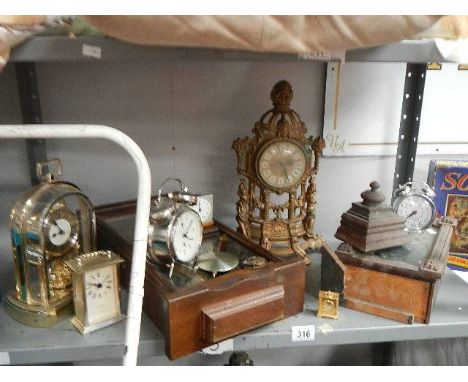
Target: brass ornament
<point>328,304</point>
<point>254,262</point>
<point>277,168</point>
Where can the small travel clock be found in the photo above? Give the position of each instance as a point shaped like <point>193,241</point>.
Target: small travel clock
<point>414,201</point>
<point>204,208</point>
<point>95,290</point>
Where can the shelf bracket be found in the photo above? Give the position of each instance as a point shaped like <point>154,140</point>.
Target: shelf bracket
<point>28,92</point>
<point>415,79</point>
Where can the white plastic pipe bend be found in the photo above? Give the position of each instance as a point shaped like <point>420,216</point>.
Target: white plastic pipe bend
<point>135,298</point>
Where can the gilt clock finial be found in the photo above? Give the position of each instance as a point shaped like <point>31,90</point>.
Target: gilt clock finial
<point>281,95</point>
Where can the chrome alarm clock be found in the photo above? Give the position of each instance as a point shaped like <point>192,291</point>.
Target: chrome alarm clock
<point>414,201</point>
<point>176,230</point>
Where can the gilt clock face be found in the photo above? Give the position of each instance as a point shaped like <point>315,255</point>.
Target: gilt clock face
<point>282,164</point>
<point>328,306</point>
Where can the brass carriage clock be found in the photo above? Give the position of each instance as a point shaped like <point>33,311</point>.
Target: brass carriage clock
<point>96,290</point>
<point>277,169</point>
<point>52,222</point>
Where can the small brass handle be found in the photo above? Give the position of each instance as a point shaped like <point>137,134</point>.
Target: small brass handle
<point>54,170</point>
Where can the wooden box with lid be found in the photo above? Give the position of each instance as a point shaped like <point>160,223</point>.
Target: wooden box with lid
<point>399,283</point>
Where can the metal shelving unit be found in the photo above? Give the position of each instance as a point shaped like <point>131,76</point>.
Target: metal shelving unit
<point>64,49</point>
<point>20,344</point>
<point>63,343</point>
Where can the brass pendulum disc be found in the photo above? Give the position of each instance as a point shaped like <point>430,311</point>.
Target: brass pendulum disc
<point>214,262</point>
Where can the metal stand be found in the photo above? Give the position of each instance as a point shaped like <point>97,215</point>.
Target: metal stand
<point>409,126</point>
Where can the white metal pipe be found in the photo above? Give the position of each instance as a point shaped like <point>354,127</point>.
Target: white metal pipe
<point>135,297</point>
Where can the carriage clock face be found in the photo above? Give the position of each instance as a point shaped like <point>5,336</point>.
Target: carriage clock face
<point>60,230</point>
<point>282,164</point>
<point>101,293</point>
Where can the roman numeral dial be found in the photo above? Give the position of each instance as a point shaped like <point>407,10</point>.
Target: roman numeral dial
<point>281,165</point>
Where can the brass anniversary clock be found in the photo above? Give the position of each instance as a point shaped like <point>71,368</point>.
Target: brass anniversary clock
<point>51,223</point>
<point>277,169</point>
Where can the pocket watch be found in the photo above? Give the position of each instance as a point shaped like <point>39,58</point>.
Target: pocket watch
<point>414,201</point>
<point>175,232</point>
<point>96,291</point>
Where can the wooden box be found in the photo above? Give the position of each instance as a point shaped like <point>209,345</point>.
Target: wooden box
<point>399,283</point>
<point>194,310</point>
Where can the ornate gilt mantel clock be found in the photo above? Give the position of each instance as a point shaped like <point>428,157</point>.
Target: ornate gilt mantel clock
<point>277,169</point>
<point>51,223</point>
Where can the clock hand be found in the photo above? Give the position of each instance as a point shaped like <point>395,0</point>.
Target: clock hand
<point>412,213</point>
<point>61,231</point>
<point>187,236</point>
<point>188,229</point>
<point>285,171</point>
<point>99,285</point>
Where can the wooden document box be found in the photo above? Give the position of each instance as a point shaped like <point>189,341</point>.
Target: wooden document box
<point>194,310</point>
<point>399,283</point>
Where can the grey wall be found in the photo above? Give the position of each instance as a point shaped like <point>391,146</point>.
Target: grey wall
<point>184,116</point>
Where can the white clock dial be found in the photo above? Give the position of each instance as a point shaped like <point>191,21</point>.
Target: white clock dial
<point>101,294</point>
<point>204,210</point>
<point>187,235</point>
<point>59,232</point>
<point>282,164</point>
<point>418,212</point>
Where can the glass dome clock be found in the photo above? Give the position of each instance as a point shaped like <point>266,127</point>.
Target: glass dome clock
<point>51,223</point>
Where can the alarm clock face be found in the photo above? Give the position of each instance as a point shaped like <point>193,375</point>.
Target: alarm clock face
<point>418,210</point>
<point>60,229</point>
<point>204,210</point>
<point>101,294</point>
<point>282,164</point>
<point>186,235</point>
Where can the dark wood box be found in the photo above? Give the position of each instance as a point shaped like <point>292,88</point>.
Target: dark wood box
<point>196,311</point>
<point>400,283</point>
